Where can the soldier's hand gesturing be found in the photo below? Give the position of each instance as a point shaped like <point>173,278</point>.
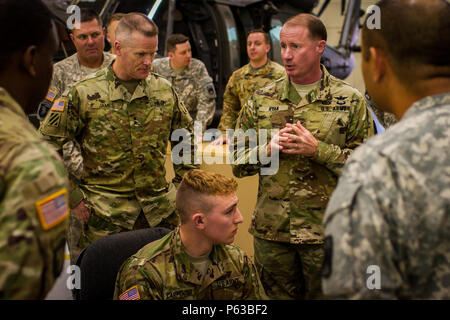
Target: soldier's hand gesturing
<point>299,140</point>
<point>277,141</point>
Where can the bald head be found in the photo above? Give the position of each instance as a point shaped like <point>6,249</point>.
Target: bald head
<point>414,35</point>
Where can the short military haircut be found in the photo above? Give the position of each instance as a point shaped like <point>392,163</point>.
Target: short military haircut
<point>135,22</point>
<point>174,39</point>
<point>315,26</point>
<point>115,17</point>
<point>196,186</point>
<point>23,23</point>
<point>414,36</point>
<point>266,35</point>
<point>88,14</point>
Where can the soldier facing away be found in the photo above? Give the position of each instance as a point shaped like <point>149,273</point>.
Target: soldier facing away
<point>321,120</point>
<point>122,116</point>
<point>259,72</point>
<point>33,180</point>
<point>189,78</point>
<point>197,260</point>
<point>387,224</point>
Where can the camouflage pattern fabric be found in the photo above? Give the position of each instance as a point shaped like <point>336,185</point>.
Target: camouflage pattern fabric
<point>242,83</point>
<point>194,87</point>
<point>162,270</point>
<point>291,203</point>
<point>391,210</point>
<point>65,74</point>
<point>123,139</point>
<point>301,280</point>
<point>69,71</point>
<point>33,207</point>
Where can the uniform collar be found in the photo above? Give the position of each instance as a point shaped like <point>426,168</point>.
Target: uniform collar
<point>263,70</point>
<point>321,92</point>
<point>8,102</point>
<point>118,92</point>
<point>185,269</point>
<point>427,103</point>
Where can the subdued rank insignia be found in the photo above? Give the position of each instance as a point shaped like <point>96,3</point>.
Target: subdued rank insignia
<point>58,105</point>
<point>130,294</point>
<point>50,95</point>
<point>53,209</point>
<point>54,119</point>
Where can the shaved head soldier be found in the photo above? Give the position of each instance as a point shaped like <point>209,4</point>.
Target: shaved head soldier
<point>197,260</point>
<point>122,117</point>
<point>387,225</point>
<point>33,181</point>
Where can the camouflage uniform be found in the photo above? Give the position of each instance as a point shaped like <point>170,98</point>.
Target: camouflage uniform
<point>162,271</point>
<point>123,140</point>
<point>242,83</point>
<point>193,85</point>
<point>33,207</point>
<point>291,203</point>
<point>65,74</point>
<point>391,210</point>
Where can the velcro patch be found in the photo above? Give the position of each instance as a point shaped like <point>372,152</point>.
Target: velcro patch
<point>54,119</point>
<point>273,108</point>
<point>130,294</point>
<point>53,209</point>
<point>50,95</point>
<point>58,105</point>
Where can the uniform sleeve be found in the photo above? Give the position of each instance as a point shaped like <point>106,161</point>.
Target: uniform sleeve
<point>33,217</point>
<point>183,150</point>
<point>146,282</point>
<point>360,250</point>
<point>207,98</point>
<point>254,290</point>
<point>246,148</point>
<point>231,107</point>
<point>359,129</point>
<point>60,128</point>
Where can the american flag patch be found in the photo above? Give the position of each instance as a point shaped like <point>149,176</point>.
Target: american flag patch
<point>58,105</point>
<point>50,95</point>
<point>130,294</point>
<point>52,210</point>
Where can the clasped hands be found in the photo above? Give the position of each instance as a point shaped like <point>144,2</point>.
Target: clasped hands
<point>293,139</point>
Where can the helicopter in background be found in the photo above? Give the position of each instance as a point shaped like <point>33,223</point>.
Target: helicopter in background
<point>218,28</point>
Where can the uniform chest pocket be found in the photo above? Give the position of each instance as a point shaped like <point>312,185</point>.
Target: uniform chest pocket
<point>229,288</point>
<point>107,124</point>
<point>334,128</point>
<point>275,117</point>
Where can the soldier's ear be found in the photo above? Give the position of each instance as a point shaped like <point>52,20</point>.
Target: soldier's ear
<point>29,60</point>
<point>378,63</point>
<point>321,45</point>
<point>198,219</point>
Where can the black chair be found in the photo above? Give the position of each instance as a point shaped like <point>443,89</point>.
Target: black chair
<point>101,260</point>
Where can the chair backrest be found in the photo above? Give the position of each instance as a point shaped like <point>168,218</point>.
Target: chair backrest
<point>101,260</point>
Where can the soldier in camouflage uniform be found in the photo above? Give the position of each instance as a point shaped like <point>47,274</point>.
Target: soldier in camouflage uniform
<point>189,78</point>
<point>321,122</point>
<point>387,224</point>
<point>197,260</point>
<point>89,58</point>
<point>123,117</point>
<point>33,180</point>
<point>246,80</point>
